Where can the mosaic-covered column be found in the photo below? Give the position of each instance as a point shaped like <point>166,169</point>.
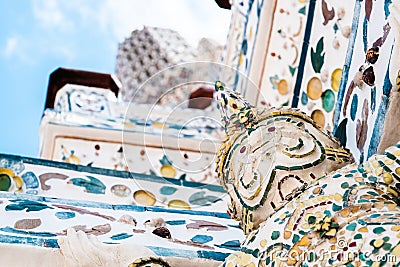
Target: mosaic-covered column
<point>231,53</point>
<point>292,53</point>
<point>365,87</point>
<point>322,57</point>
<point>247,43</point>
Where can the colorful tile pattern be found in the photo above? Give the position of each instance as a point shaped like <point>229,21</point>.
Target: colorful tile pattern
<point>364,92</point>
<point>131,137</point>
<point>282,58</point>
<point>350,217</point>
<point>269,156</point>
<point>84,100</point>
<point>189,165</point>
<point>318,80</point>
<point>81,183</point>
<point>231,53</point>
<point>243,45</point>
<point>346,216</point>
<point>40,221</point>
<point>248,42</point>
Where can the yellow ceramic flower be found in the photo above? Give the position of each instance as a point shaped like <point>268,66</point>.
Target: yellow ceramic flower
<point>6,177</point>
<point>73,159</point>
<point>326,227</point>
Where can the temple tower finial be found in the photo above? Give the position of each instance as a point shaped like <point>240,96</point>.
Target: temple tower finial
<point>236,112</point>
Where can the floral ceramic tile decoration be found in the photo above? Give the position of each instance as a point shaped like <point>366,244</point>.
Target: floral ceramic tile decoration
<point>232,49</point>
<point>139,138</point>
<point>252,47</point>
<point>249,37</point>
<point>364,91</point>
<point>282,55</point>
<point>40,222</point>
<point>84,100</point>
<point>318,79</point>
<point>165,162</point>
<point>83,183</point>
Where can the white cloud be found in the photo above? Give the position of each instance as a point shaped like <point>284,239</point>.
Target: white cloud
<point>11,46</point>
<point>49,14</point>
<point>193,19</point>
<point>61,23</point>
<point>16,48</point>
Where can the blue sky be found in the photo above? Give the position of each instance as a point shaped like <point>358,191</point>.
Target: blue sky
<point>38,36</point>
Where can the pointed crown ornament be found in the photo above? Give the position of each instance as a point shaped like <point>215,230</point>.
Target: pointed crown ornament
<point>235,110</point>
<point>269,156</point>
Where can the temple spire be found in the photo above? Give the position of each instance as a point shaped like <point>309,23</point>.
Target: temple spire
<point>236,112</point>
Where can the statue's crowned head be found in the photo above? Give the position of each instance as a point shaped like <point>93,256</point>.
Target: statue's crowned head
<point>269,155</point>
